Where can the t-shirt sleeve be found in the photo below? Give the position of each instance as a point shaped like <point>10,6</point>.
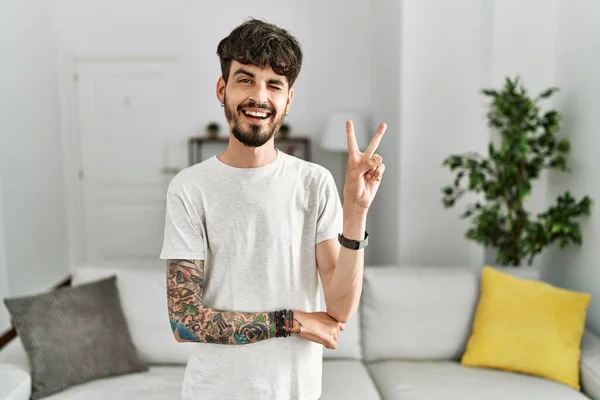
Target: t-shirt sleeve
<point>330,215</point>
<point>184,235</point>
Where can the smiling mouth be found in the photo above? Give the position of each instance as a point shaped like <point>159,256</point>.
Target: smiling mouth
<point>256,116</point>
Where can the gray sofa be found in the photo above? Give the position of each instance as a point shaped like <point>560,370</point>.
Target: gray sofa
<point>404,343</point>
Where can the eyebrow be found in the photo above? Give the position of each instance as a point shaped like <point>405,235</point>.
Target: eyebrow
<point>271,81</point>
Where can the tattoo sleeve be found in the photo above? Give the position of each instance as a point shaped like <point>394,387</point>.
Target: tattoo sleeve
<point>192,321</point>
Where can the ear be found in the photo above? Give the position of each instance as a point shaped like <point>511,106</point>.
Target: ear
<point>221,90</point>
<point>290,98</point>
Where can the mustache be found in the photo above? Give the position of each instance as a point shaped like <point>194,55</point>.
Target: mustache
<point>254,104</point>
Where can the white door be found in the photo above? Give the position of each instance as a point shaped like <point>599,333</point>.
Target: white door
<point>127,117</point>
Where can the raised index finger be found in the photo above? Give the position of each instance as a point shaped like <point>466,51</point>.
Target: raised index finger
<point>352,145</point>
<point>375,141</point>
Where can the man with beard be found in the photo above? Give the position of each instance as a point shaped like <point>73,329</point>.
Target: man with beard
<point>248,232</point>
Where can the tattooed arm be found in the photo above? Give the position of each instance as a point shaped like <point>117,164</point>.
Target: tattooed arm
<point>191,321</point>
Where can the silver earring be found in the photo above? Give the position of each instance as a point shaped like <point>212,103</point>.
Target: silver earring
<point>222,104</point>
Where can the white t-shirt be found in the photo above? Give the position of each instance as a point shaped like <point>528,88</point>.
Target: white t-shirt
<point>257,230</point>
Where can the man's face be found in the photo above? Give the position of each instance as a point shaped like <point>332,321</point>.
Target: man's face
<point>256,101</point>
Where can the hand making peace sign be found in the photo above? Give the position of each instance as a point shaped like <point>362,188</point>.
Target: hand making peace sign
<point>364,170</point>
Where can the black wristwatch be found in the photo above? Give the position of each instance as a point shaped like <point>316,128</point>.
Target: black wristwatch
<point>353,244</point>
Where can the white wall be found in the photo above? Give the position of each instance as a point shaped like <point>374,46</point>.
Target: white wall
<point>419,66</point>
<point>31,149</point>
<point>383,222</point>
<point>528,50</point>
<point>336,73</point>
<point>445,61</point>
<point>450,51</point>
<point>192,30</point>
<point>4,292</point>
<point>577,62</point>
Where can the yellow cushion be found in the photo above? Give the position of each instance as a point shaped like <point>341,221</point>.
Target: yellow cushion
<point>527,326</point>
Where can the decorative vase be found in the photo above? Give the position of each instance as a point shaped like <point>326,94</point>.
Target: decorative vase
<point>212,133</point>
<point>284,132</point>
<point>521,271</point>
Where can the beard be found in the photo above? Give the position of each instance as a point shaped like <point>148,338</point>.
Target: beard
<point>254,135</point>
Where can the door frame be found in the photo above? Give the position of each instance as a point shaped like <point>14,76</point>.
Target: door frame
<point>71,139</point>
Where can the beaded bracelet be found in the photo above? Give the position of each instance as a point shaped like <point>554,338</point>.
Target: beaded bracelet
<point>283,318</point>
<point>276,323</point>
<point>284,322</point>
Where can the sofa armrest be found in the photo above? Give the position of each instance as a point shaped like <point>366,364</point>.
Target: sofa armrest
<point>590,364</point>
<point>15,383</point>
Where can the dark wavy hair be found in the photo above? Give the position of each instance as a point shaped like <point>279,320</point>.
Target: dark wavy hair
<point>261,44</point>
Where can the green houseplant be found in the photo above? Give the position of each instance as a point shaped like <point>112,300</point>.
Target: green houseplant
<point>212,130</point>
<point>527,144</point>
<point>284,130</point>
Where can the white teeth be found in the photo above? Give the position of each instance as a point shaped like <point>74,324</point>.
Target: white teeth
<point>256,114</point>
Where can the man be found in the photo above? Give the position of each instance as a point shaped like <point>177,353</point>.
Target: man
<point>247,232</point>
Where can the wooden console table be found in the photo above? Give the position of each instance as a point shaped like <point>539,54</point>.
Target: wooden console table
<point>296,145</point>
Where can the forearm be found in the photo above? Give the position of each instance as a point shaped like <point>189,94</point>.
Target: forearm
<point>346,282</point>
<point>223,327</point>
<point>192,321</point>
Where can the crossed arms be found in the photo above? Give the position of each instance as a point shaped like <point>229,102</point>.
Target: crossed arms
<point>192,321</point>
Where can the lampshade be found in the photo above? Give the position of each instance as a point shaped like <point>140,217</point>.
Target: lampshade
<point>334,136</point>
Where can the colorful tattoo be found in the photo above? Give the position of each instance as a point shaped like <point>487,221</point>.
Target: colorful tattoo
<point>192,321</point>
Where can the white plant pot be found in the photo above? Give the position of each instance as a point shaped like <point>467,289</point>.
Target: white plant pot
<point>522,271</point>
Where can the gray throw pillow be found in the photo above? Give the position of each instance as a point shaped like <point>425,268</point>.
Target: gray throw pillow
<point>74,335</point>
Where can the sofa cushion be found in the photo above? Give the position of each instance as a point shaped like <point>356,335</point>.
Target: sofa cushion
<point>348,380</point>
<point>158,383</point>
<point>529,326</point>
<point>349,346</point>
<point>15,382</point>
<point>144,300</point>
<point>74,335</point>
<point>14,371</point>
<point>449,380</point>
<point>417,312</point>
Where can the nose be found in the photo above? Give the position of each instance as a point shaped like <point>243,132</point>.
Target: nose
<point>260,94</point>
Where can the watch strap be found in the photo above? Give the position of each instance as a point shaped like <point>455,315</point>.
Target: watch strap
<point>353,244</point>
